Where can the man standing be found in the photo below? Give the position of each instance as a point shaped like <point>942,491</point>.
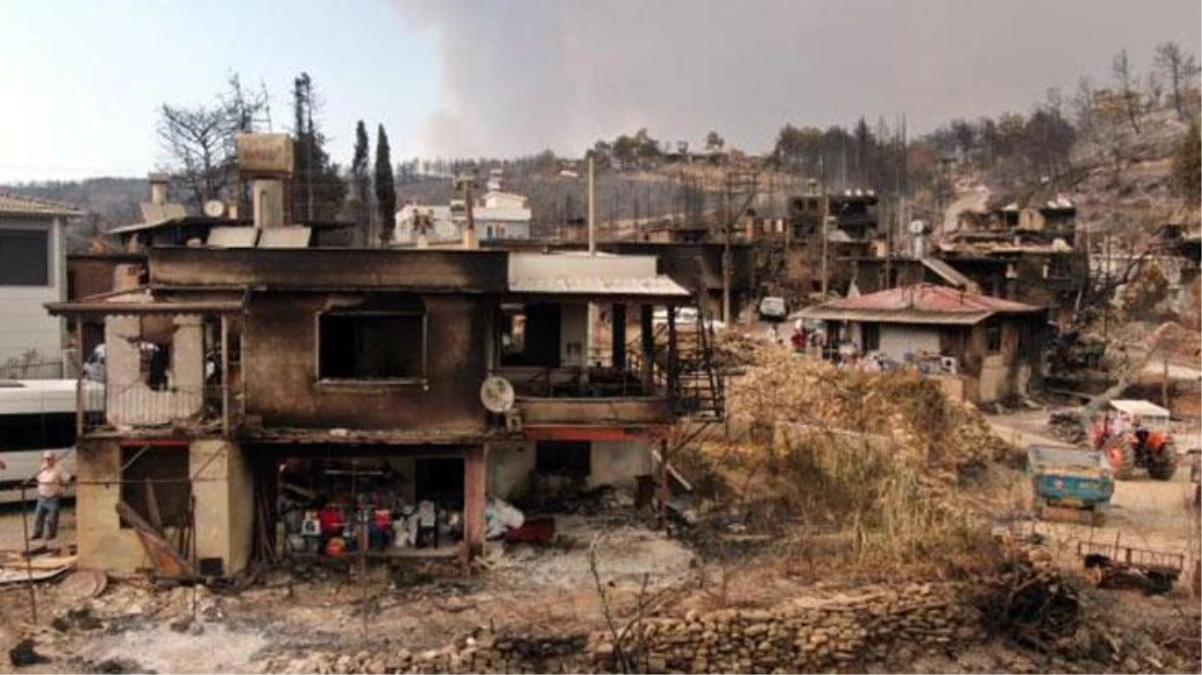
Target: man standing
<point>52,483</point>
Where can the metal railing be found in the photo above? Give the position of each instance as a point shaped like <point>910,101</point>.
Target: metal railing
<point>20,368</point>
<point>136,405</point>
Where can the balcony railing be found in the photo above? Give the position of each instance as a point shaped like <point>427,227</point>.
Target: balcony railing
<point>136,406</point>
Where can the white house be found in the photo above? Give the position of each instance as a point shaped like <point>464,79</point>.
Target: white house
<point>498,216</point>
<point>33,271</point>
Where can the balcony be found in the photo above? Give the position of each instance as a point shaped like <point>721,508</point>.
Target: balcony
<point>135,407</point>
<point>585,396</point>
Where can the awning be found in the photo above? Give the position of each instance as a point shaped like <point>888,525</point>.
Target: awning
<point>658,287</point>
<point>140,301</point>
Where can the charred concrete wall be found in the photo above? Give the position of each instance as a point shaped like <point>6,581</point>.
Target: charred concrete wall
<point>280,362</point>
<point>315,268</point>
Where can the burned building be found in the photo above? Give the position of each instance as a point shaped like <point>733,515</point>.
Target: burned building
<point>1029,254</point>
<point>349,382</point>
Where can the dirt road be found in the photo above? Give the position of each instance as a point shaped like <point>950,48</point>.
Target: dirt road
<point>1144,513</point>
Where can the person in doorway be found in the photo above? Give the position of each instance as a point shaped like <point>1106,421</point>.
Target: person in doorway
<point>52,483</point>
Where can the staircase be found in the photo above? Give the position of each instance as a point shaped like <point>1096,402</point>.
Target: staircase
<point>698,389</point>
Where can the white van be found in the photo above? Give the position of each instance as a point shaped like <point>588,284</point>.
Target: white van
<point>35,416</point>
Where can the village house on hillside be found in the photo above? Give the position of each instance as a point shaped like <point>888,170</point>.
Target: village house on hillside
<point>984,349</point>
<point>33,272</point>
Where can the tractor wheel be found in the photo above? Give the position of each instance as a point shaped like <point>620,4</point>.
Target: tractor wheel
<point>1122,458</point>
<point>1163,465</point>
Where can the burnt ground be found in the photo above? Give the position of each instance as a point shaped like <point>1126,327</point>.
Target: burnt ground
<point>527,590</point>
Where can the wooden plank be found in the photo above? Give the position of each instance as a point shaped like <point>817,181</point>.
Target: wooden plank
<point>42,563</point>
<point>152,508</point>
<point>167,561</point>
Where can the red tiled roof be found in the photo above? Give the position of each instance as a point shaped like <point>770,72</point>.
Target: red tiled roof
<point>920,303</point>
<point>929,298</point>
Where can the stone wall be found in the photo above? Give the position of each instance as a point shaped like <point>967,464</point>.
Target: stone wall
<point>875,624</point>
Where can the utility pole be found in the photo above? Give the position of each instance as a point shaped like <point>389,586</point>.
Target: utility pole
<point>592,208</point>
<point>822,229</point>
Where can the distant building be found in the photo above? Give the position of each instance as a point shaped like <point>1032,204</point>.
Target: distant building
<point>984,349</point>
<point>33,271</point>
<point>498,216</point>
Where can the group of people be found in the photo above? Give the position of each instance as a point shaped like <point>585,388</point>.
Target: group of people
<point>52,484</point>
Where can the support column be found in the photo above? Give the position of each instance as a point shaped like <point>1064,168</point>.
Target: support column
<point>474,484</point>
<point>673,374</point>
<point>646,329</point>
<point>619,336</point>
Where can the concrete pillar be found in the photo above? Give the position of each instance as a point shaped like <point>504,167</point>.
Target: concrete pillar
<point>474,479</point>
<point>647,332</point>
<point>223,488</point>
<point>102,543</point>
<point>619,336</point>
<point>188,354</point>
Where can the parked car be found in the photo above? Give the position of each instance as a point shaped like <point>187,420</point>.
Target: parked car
<point>773,309</point>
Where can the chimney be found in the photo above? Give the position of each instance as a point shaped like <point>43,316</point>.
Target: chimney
<point>158,188</point>
<point>267,200</point>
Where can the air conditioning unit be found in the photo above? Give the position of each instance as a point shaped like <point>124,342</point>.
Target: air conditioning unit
<point>513,420</point>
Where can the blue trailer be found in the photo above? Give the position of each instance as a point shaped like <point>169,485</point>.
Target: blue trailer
<point>1069,478</point>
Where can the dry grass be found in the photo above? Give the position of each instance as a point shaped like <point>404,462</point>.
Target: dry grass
<point>866,473</point>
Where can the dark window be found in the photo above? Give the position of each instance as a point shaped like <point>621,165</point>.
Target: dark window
<point>530,336</point>
<point>870,337</point>
<point>993,337</point>
<point>570,458</point>
<point>372,346</point>
<point>24,258</point>
<point>37,431</point>
<point>167,468</point>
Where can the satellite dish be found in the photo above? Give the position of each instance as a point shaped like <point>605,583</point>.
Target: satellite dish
<point>214,208</point>
<point>496,393</point>
<point>445,230</point>
<point>917,227</point>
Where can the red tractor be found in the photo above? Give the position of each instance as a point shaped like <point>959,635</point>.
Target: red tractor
<point>1135,434</point>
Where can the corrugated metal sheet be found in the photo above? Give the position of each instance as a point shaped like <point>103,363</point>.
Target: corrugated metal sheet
<point>233,237</point>
<point>294,236</point>
<point>660,286</point>
<point>948,273</point>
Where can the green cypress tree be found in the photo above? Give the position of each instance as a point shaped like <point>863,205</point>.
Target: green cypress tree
<point>385,185</point>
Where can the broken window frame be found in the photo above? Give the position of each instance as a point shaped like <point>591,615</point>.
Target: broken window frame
<point>422,378</point>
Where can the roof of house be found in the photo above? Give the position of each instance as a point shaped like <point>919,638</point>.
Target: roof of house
<point>919,303</point>
<point>19,205</point>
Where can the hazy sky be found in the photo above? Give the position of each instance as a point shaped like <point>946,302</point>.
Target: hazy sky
<point>82,79</point>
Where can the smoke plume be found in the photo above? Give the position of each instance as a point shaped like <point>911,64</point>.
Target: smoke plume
<point>523,75</point>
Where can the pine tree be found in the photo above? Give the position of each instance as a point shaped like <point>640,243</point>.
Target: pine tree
<point>1187,165</point>
<point>385,185</point>
<point>361,182</point>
